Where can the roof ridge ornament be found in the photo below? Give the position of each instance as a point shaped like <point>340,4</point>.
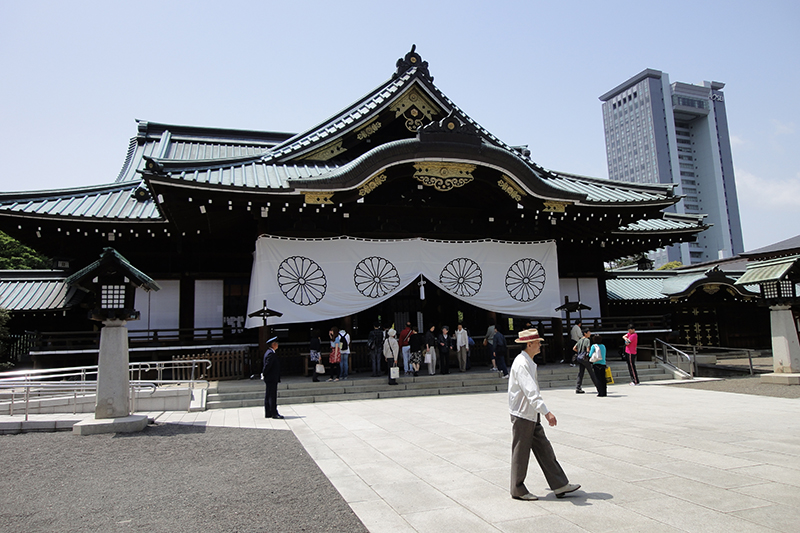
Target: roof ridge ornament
<point>411,60</point>
<point>451,128</point>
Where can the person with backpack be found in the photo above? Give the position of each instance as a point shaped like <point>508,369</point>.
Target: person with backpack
<point>391,350</point>
<point>344,346</point>
<point>375,347</point>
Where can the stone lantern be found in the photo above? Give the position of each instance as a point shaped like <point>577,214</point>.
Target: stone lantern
<point>112,281</point>
<point>778,280</point>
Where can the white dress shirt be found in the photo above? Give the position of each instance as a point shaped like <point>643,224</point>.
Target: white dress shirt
<point>524,398</point>
<point>462,338</point>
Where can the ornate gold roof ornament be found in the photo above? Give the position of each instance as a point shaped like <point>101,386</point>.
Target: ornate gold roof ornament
<point>511,188</point>
<point>368,130</point>
<point>443,176</point>
<point>552,206</point>
<point>711,289</point>
<point>318,197</point>
<point>372,184</point>
<point>414,107</point>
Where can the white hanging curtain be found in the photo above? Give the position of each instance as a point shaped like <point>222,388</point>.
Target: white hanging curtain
<point>309,280</point>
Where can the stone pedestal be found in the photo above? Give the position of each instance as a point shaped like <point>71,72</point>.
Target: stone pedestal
<point>113,385</point>
<point>785,344</point>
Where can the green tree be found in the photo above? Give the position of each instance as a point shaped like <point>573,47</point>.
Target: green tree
<point>670,265</point>
<point>4,317</point>
<point>16,256</point>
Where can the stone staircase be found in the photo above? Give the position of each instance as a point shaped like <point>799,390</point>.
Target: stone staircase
<point>294,389</point>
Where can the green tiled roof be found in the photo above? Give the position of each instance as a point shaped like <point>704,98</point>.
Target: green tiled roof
<point>771,270</point>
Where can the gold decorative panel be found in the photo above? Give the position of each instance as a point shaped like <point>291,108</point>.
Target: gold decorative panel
<point>368,130</point>
<point>444,176</point>
<point>414,107</point>
<point>551,206</point>
<point>371,185</point>
<point>318,197</point>
<point>511,188</point>
<point>327,152</point>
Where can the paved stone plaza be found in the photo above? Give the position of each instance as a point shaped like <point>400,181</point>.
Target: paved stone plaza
<point>649,458</point>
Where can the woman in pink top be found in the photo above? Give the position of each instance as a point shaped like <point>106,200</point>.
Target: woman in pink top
<point>631,341</point>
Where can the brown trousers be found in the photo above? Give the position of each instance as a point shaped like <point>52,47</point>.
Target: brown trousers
<point>528,436</point>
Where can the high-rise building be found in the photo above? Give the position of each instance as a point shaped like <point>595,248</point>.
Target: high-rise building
<point>657,132</point>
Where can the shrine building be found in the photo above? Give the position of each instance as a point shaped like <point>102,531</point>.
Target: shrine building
<point>399,207</point>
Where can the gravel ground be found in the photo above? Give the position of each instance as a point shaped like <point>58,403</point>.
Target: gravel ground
<point>168,478</point>
<point>746,385</point>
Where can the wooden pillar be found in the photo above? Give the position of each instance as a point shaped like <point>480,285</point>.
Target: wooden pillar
<point>557,352</point>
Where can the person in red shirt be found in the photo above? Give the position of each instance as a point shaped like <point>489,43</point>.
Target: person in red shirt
<point>631,341</point>
<point>405,348</point>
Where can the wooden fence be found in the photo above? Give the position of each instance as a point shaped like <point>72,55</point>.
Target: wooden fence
<point>231,364</point>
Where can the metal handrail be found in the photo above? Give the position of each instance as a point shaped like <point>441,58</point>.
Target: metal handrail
<point>82,381</point>
<point>665,359</point>
<point>696,349</point>
<point>76,388</point>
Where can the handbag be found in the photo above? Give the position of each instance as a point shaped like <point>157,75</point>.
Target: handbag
<point>394,372</point>
<point>428,356</point>
<point>320,369</point>
<point>609,377</point>
<point>595,356</point>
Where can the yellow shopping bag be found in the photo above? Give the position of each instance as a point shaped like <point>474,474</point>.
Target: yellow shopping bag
<point>609,377</point>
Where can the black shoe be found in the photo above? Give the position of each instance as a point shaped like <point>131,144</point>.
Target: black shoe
<point>579,391</point>
<point>416,374</point>
<point>278,417</point>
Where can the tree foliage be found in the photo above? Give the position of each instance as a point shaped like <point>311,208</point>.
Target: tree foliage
<point>4,317</point>
<point>622,262</point>
<point>670,265</point>
<point>16,256</point>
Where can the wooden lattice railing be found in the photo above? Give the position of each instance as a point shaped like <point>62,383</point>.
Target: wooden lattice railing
<point>229,364</point>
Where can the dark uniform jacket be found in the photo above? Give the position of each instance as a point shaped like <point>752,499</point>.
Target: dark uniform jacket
<point>272,367</point>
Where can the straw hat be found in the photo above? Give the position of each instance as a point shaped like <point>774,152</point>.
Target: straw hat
<point>528,335</point>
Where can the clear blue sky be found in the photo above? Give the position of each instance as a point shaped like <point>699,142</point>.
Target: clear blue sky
<point>76,74</point>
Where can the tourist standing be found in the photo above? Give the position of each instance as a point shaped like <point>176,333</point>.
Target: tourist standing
<point>391,351</point>
<point>404,347</point>
<point>443,345</point>
<point>430,343</point>
<point>344,346</point>
<point>598,361</point>
<point>526,406</point>
<point>631,343</point>
<point>336,356</point>
<point>272,376</point>
<point>575,335</point>
<point>315,355</point>
<point>582,360</point>
<point>500,352</point>
<point>488,341</point>
<point>462,345</point>
<point>375,347</point>
<point>417,347</point>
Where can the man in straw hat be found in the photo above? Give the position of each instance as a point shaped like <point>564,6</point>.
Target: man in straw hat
<point>526,406</point>
<point>272,376</point>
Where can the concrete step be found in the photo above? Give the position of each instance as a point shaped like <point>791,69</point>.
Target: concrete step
<point>250,393</point>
